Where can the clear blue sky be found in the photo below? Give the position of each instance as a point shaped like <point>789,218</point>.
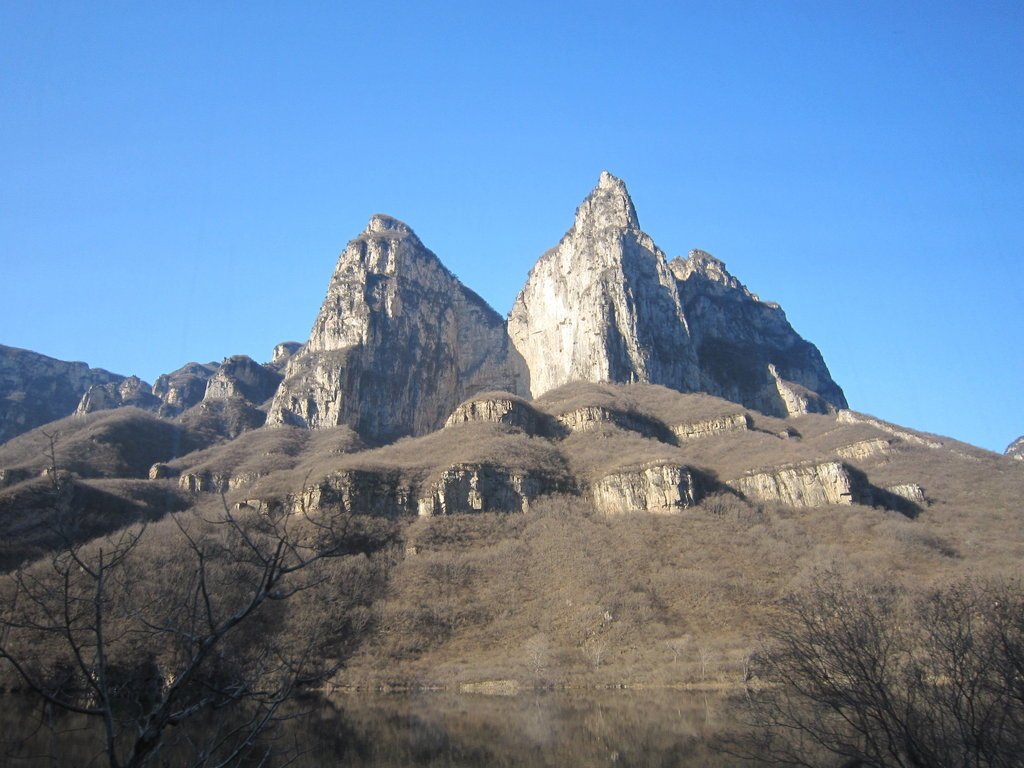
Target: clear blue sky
<point>177,179</point>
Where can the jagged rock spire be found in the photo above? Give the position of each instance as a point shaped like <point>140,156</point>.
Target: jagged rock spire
<point>607,206</point>
<point>602,305</point>
<point>398,343</point>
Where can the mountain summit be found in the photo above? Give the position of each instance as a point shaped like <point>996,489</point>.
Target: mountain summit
<point>606,305</point>
<point>397,344</point>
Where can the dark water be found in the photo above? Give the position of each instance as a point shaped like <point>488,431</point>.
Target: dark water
<point>632,728</point>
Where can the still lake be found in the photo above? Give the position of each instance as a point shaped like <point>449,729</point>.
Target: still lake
<point>559,728</point>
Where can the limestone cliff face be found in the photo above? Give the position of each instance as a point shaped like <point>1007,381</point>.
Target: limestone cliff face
<point>603,304</point>
<point>606,305</point>
<point>183,388</point>
<point>398,343</point>
<point>132,391</point>
<point>656,487</point>
<point>812,484</point>
<point>462,488</point>
<point>241,376</point>
<point>36,389</point>
<point>746,348</point>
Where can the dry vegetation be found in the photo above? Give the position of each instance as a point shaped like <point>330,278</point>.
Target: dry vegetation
<point>560,596</point>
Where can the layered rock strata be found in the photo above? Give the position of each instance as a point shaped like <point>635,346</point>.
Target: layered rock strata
<point>716,425</point>
<point>462,488</point>
<point>811,484</point>
<point>509,410</point>
<point>658,487</point>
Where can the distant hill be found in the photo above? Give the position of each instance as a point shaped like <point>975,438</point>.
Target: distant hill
<point>36,389</point>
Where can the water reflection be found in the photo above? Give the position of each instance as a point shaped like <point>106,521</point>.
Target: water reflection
<point>616,728</point>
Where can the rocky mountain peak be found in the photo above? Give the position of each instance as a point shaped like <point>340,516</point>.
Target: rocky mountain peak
<point>397,344</point>
<point>382,224</point>
<point>607,206</point>
<point>603,304</point>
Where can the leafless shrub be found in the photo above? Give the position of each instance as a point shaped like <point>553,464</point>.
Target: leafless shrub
<point>863,675</point>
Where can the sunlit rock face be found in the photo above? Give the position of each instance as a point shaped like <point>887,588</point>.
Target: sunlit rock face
<point>131,391</point>
<point>606,305</point>
<point>657,487</point>
<point>399,342</point>
<point>813,484</point>
<point>1016,449</point>
<point>603,304</point>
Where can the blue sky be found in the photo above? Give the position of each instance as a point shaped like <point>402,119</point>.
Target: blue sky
<point>177,179</point>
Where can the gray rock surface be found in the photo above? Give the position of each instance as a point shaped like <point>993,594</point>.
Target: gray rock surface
<point>399,342</point>
<point>183,388</point>
<point>606,305</point>
<point>660,488</point>
<point>746,349</point>
<point>131,391</point>
<point>812,484</point>
<point>1015,450</point>
<point>603,305</point>
<point>36,389</point>
<point>241,376</point>
<point>283,353</point>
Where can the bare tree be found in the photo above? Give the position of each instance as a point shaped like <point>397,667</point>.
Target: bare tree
<point>868,677</point>
<point>152,628</point>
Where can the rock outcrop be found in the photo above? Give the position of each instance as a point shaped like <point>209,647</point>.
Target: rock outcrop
<point>399,342</point>
<point>660,488</point>
<point>811,484</point>
<point>1015,450</point>
<point>871,448</point>
<point>746,349</point>
<point>241,376</point>
<point>183,388</point>
<point>716,425</point>
<point>482,488</point>
<point>500,409</point>
<point>131,391</point>
<point>590,417</point>
<point>849,417</point>
<point>606,305</point>
<point>462,488</point>
<point>36,389</point>
<point>283,353</point>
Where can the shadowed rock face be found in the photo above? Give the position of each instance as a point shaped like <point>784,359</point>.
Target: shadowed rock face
<point>241,376</point>
<point>398,343</point>
<point>36,389</point>
<point>746,349</point>
<point>606,305</point>
<point>183,388</point>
